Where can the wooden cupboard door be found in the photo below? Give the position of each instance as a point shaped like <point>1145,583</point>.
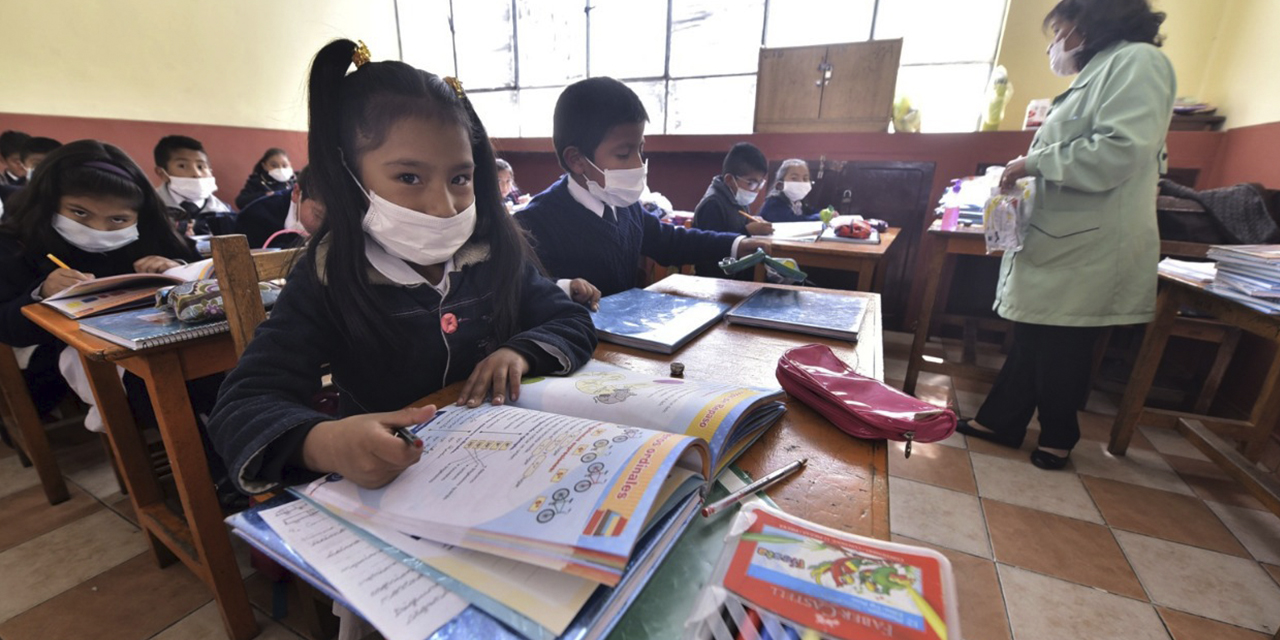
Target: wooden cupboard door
<point>859,94</point>
<point>788,91</point>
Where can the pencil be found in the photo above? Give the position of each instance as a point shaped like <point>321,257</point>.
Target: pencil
<point>55,260</point>
<point>748,216</point>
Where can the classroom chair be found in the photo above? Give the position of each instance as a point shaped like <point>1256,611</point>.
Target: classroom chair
<point>25,429</point>
<point>238,271</point>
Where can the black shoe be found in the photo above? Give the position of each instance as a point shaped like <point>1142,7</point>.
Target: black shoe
<point>1048,461</point>
<point>963,427</point>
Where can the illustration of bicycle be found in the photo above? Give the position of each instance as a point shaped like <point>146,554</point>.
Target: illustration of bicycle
<point>559,504</point>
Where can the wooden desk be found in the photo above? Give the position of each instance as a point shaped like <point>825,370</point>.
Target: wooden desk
<point>841,256</point>
<point>196,535</point>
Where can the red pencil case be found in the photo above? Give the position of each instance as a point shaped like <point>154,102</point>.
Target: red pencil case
<point>857,405</point>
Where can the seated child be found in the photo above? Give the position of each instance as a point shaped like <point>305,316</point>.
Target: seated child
<point>726,204</point>
<point>589,224</point>
<point>511,194</point>
<point>272,174</point>
<point>786,204</point>
<point>417,279</point>
<point>288,216</point>
<point>34,149</point>
<point>188,187</point>
<point>11,143</point>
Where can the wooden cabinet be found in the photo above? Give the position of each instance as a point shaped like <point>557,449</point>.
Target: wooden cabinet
<point>827,88</point>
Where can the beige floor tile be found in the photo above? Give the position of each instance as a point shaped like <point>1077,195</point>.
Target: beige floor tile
<point>14,477</point>
<point>1018,482</point>
<point>1066,548</point>
<point>935,464</point>
<point>99,480</point>
<point>956,440</point>
<point>939,516</point>
<point>1259,531</point>
<point>1205,583</point>
<point>1141,467</point>
<point>1097,427</point>
<point>1105,403</point>
<point>124,506</point>
<point>1184,626</point>
<point>43,567</point>
<point>1045,608</point>
<point>1211,483</point>
<point>1171,443</point>
<point>27,514</point>
<point>206,624</point>
<point>982,614</point>
<point>978,445</point>
<point>1274,571</point>
<point>1161,514</point>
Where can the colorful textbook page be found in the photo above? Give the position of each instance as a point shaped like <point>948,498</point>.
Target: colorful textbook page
<point>569,494</point>
<point>727,417</point>
<point>841,585</point>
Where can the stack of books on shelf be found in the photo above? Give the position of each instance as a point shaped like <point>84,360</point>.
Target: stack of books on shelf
<point>1248,274</point>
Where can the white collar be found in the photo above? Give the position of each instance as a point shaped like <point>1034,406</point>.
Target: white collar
<point>585,198</point>
<point>399,271</point>
<point>13,177</point>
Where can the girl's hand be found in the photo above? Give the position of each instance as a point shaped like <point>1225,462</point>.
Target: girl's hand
<point>501,372</point>
<point>154,264</point>
<point>1014,171</point>
<point>60,279</point>
<point>585,293</point>
<point>362,448</point>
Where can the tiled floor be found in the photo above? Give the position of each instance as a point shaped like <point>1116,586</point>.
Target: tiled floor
<point>1159,544</point>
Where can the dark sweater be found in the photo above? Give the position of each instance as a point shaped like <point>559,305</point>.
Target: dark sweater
<point>263,217</point>
<point>574,242</point>
<point>259,184</point>
<point>719,211</point>
<point>777,208</point>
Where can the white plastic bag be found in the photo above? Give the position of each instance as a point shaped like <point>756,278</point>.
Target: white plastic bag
<point>1005,217</point>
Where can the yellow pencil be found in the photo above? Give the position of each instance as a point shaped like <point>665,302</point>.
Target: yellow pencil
<point>58,262</point>
<point>748,216</point>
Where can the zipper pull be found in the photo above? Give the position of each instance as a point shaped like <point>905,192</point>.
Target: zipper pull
<point>910,436</point>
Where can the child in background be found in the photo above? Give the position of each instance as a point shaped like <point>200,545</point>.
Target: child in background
<point>511,194</point>
<point>726,206</point>
<point>417,279</point>
<point>188,187</point>
<point>15,173</point>
<point>589,224</point>
<point>786,204</point>
<point>34,151</point>
<point>272,174</point>
<point>291,216</point>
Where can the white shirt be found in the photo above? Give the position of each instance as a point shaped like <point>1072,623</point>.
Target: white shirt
<point>399,271</point>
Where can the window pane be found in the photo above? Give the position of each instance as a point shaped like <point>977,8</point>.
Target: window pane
<point>942,30</point>
<point>552,38</point>
<point>628,38</point>
<point>482,36</point>
<point>654,96</point>
<point>712,105</point>
<point>950,97</point>
<point>425,36</point>
<point>537,107</point>
<point>793,23</point>
<point>497,109</point>
<point>712,37</point>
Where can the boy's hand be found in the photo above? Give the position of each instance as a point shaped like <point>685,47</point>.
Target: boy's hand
<point>760,228</point>
<point>501,372</point>
<point>748,246</point>
<point>154,264</point>
<point>60,279</point>
<point>362,448</point>
<point>585,293</point>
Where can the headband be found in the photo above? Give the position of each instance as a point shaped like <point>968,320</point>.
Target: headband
<point>109,168</point>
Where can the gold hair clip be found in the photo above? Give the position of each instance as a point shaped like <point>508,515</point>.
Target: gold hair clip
<point>361,55</point>
<point>457,86</point>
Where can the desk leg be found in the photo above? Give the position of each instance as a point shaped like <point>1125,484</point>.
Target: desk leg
<point>866,274</point>
<point>1266,412</point>
<point>215,559</point>
<point>1144,372</point>
<point>933,273</point>
<point>132,457</point>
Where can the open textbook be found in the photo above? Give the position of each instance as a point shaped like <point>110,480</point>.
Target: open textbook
<point>568,480</point>
<point>126,291</point>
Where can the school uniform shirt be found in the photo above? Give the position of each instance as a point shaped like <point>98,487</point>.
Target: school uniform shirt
<point>1092,246</point>
<point>779,208</point>
<point>211,216</point>
<point>719,211</point>
<point>576,235</point>
<point>263,217</point>
<point>263,415</point>
<point>9,179</point>
<point>260,184</point>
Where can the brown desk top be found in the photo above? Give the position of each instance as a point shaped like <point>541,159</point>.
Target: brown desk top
<point>835,248</point>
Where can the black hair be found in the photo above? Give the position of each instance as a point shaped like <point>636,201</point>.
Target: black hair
<point>351,114</point>
<point>306,189</point>
<point>273,151</point>
<point>38,145</point>
<point>168,144</point>
<point>93,169</point>
<point>744,157</point>
<point>586,110</point>
<point>1103,23</point>
<point>11,143</point>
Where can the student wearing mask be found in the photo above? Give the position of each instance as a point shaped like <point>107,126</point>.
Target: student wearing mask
<point>283,219</point>
<point>726,206</point>
<point>188,187</point>
<point>272,174</point>
<point>511,194</point>
<point>589,224</point>
<point>791,186</point>
<point>15,172</point>
<point>34,149</point>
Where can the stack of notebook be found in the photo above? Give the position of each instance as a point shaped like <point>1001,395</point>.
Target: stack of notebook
<point>1248,274</point>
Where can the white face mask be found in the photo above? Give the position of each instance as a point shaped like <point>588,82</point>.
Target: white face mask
<point>417,237</point>
<point>1061,61</point>
<point>92,240</point>
<point>796,191</point>
<point>742,196</point>
<point>622,187</point>
<point>281,174</point>
<point>291,222</point>
<point>195,190</point>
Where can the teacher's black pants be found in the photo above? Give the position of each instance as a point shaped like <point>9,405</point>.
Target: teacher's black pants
<point>1047,370</point>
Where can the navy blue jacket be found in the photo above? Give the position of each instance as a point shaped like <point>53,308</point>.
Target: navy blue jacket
<point>777,208</point>
<point>263,217</point>
<point>719,211</point>
<point>263,413</point>
<point>574,242</point>
<point>259,184</point>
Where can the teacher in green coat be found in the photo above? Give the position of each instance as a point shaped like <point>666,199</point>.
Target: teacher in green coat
<point>1089,257</point>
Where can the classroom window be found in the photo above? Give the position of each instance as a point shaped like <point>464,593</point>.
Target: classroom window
<point>693,62</point>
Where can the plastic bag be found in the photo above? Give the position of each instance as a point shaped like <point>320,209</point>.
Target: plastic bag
<point>1005,217</point>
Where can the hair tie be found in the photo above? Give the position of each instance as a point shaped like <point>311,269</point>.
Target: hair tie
<point>456,84</point>
<point>109,168</point>
<point>361,55</point>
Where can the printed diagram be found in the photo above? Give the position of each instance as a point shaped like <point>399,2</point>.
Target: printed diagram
<point>558,504</point>
<point>607,387</point>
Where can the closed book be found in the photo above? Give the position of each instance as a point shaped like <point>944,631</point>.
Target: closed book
<point>830,315</point>
<point>658,322</point>
<point>150,327</point>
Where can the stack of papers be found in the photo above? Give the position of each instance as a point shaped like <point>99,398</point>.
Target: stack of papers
<point>1201,273</point>
<point>1248,274</point>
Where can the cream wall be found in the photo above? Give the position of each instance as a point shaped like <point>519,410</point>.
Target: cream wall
<point>225,62</point>
<point>1244,82</point>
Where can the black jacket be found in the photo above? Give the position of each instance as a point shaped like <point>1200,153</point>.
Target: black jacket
<point>263,217</point>
<point>258,184</point>
<point>719,211</point>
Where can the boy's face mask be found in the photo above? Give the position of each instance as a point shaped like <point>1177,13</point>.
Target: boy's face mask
<point>741,194</point>
<point>195,190</point>
<point>622,187</point>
